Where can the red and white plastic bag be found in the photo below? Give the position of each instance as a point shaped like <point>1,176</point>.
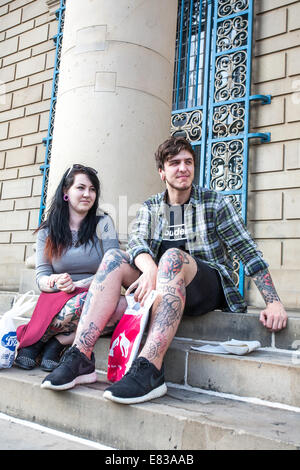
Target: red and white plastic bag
<point>126,339</point>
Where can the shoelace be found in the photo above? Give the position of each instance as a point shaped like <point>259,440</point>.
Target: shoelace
<point>138,364</point>
<point>69,352</point>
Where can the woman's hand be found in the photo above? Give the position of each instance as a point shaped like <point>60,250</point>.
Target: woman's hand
<point>65,283</point>
<point>52,280</point>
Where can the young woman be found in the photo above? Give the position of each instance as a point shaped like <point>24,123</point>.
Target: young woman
<point>70,246</point>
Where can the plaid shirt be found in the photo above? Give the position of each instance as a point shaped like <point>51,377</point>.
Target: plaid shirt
<point>213,229</point>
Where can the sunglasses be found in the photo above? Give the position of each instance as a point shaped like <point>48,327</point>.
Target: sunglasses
<point>77,166</point>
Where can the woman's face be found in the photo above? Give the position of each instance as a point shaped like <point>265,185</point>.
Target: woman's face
<point>82,194</point>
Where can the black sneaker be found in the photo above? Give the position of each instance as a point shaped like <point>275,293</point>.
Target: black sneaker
<point>27,358</point>
<point>141,383</point>
<point>51,355</point>
<point>74,369</point>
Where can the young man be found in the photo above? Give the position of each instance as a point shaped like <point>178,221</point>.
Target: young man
<point>179,246</point>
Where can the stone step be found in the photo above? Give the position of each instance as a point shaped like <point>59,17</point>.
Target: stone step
<point>268,374</point>
<point>219,326</point>
<point>265,374</point>
<point>180,420</point>
<point>223,326</point>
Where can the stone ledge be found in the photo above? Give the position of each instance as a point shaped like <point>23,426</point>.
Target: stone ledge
<point>181,419</point>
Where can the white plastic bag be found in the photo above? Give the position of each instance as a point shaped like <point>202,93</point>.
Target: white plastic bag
<point>234,346</point>
<point>8,334</point>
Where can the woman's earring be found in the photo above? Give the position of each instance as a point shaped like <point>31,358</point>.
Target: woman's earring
<point>66,197</point>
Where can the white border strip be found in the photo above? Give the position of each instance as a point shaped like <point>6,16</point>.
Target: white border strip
<point>69,437</point>
<point>229,396</point>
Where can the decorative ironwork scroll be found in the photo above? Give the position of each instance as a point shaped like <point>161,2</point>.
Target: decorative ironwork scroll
<point>60,16</point>
<point>188,124</point>
<point>227,165</point>
<point>212,81</point>
<point>230,76</point>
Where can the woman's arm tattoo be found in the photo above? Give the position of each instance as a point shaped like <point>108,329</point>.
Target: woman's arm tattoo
<point>266,287</point>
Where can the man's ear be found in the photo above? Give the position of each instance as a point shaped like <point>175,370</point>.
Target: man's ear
<point>162,174</point>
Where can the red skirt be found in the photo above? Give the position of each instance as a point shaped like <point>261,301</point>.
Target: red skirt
<point>47,307</point>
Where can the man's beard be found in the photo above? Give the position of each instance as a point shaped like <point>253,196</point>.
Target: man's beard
<point>180,188</point>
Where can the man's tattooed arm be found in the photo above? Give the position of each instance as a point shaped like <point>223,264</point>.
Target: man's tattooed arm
<point>274,316</point>
<point>266,287</point>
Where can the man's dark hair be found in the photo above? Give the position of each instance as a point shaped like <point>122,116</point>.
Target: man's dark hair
<point>171,147</point>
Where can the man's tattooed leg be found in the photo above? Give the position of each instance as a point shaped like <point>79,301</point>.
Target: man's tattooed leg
<point>173,261</point>
<point>111,261</point>
<point>103,298</point>
<point>88,338</point>
<point>265,285</point>
<point>168,307</point>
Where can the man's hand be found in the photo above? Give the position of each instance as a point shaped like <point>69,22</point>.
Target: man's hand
<point>144,285</point>
<point>274,317</point>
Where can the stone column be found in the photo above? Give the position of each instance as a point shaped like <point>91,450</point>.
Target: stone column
<point>114,96</point>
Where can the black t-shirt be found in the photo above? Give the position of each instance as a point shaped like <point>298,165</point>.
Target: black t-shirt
<point>174,236</point>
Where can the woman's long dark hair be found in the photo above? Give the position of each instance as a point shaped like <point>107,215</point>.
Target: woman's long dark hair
<point>59,236</point>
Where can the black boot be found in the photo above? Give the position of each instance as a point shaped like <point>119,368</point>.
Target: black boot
<point>52,354</point>
<point>27,357</point>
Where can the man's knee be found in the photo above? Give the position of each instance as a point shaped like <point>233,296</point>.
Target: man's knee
<point>113,260</point>
<point>171,263</point>
<point>172,253</point>
<point>115,255</point>
<point>175,261</point>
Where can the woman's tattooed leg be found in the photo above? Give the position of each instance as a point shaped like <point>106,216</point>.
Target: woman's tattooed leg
<point>66,320</point>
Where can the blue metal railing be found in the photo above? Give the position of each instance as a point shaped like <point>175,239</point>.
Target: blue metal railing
<point>60,14</point>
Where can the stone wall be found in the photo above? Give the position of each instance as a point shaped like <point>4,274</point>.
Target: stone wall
<point>274,180</point>
<point>27,58</point>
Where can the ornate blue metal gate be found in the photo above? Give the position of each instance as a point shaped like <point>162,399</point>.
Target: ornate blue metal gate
<point>212,95</point>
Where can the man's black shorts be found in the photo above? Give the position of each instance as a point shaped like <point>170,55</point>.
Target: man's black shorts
<point>204,293</point>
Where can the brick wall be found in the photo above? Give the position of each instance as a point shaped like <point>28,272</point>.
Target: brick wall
<point>274,180</point>
<point>26,69</point>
